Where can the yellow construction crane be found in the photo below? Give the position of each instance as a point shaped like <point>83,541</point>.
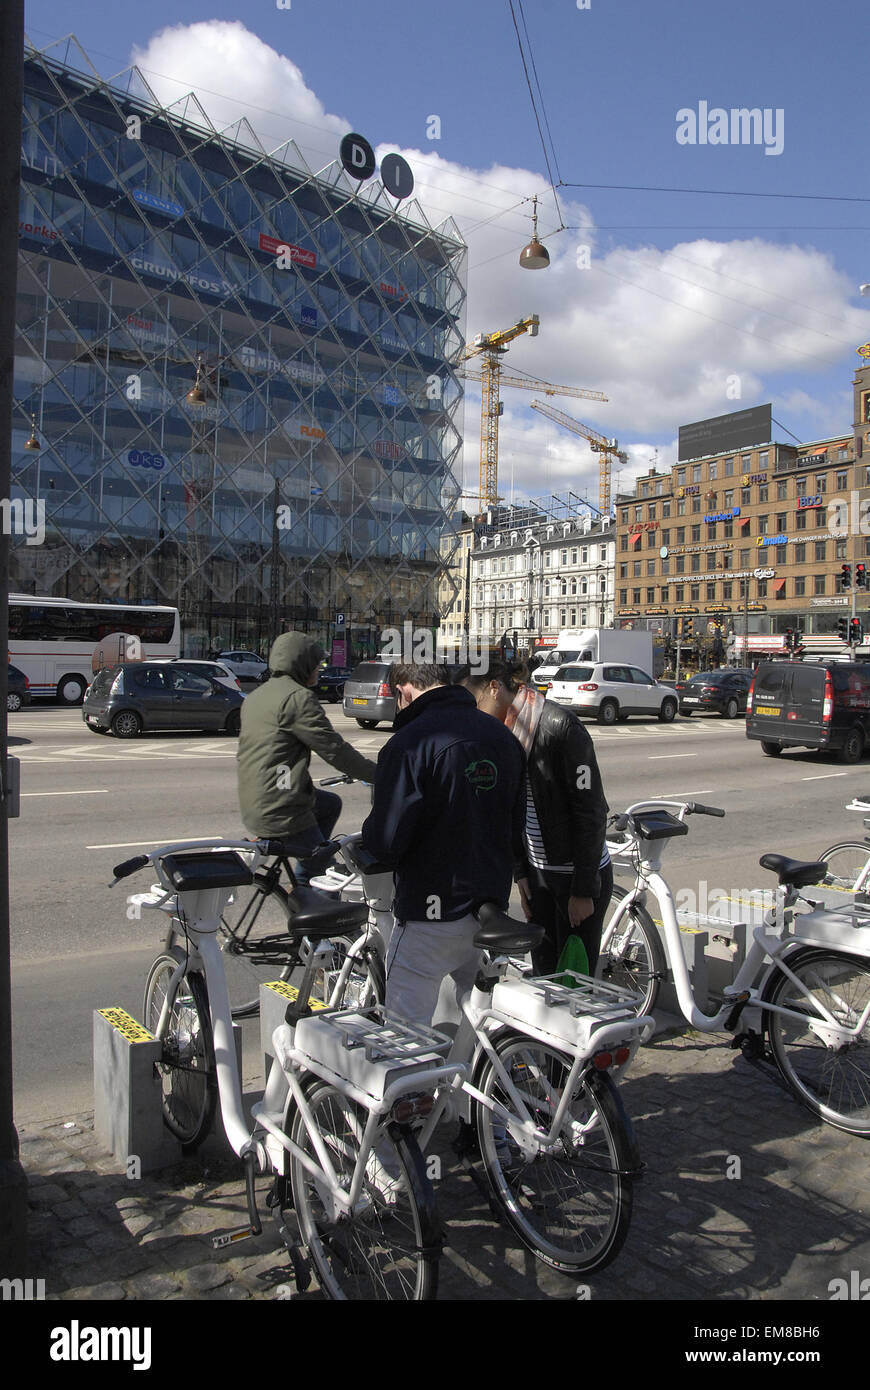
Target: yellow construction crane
<point>607,448</point>
<point>492,347</point>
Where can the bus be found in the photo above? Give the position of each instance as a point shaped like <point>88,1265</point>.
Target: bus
<point>60,644</point>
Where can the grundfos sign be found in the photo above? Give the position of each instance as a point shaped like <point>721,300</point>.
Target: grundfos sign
<point>170,272</point>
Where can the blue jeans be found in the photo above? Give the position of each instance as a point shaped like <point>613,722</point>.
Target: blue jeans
<point>327,809</point>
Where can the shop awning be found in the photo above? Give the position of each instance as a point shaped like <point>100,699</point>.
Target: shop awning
<point>779,586</point>
<point>635,537</point>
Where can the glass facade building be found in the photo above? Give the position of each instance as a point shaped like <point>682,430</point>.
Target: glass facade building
<point>302,484</point>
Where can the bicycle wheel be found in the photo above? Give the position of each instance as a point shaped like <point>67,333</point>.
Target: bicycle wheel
<point>633,958</point>
<point>389,1248</point>
<point>570,1205</point>
<point>256,942</point>
<point>365,984</point>
<point>846,862</point>
<point>187,1069</point>
<point>833,1083</point>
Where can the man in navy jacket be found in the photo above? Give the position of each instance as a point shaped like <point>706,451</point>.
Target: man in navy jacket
<point>447,816</point>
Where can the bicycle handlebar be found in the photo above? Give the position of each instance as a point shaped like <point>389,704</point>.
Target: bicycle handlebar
<point>687,808</point>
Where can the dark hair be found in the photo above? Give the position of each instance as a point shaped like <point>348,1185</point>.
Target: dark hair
<point>421,676</point>
<point>512,675</point>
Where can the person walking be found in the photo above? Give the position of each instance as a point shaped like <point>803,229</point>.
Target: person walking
<point>282,725</point>
<point>447,817</point>
<point>565,878</point>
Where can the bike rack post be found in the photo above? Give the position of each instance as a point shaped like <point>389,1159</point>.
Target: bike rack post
<point>128,1096</point>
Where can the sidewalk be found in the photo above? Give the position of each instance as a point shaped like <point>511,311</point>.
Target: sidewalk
<point>793,1214</point>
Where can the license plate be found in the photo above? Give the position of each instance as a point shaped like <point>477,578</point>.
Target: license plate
<point>359,702</point>
<point>768,709</point>
<point>690,699</point>
<point>92,719</point>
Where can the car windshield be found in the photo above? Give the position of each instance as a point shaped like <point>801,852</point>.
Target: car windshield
<point>708,678</point>
<point>574,673</point>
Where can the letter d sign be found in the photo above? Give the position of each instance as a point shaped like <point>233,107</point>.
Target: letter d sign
<point>357,157</point>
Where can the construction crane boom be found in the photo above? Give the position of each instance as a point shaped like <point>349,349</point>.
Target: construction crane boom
<point>492,347</point>
<point>607,448</point>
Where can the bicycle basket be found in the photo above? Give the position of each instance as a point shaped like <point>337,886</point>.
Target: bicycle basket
<point>370,1048</point>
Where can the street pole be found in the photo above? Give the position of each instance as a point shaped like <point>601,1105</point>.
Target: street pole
<point>679,648</point>
<point>13,1182</point>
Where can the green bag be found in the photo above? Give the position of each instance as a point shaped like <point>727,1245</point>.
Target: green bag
<point>574,958</point>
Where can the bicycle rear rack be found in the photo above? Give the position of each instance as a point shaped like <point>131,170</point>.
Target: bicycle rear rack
<point>570,1013</point>
<point>372,1049</point>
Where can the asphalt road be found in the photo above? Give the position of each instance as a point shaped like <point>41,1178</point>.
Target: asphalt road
<point>89,802</point>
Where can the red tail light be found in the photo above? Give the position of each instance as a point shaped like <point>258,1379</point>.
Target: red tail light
<point>749,697</point>
<point>26,683</point>
<point>828,707</point>
<point>384,691</point>
<point>602,1060</point>
<point>590,685</point>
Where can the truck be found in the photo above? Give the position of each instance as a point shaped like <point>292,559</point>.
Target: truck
<point>634,648</point>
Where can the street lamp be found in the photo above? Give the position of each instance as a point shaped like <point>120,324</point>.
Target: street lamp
<point>535,256</point>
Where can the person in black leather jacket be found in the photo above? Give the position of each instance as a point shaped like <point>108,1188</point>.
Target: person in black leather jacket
<point>565,877</point>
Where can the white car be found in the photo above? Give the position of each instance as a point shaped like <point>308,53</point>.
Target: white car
<point>246,665</point>
<point>218,670</point>
<point>612,692</point>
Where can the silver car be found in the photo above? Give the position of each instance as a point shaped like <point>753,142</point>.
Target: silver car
<point>246,665</point>
<point>367,695</point>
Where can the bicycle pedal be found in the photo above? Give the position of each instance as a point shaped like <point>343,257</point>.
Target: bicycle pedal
<point>740,1003</point>
<point>233,1237</point>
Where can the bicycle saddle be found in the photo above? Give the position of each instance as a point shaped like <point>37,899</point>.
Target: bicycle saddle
<point>798,873</point>
<point>314,914</point>
<point>499,932</point>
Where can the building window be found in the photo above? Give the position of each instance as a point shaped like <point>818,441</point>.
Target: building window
<point>681,564</point>
<point>625,516</point>
<point>781,489</point>
<point>635,595</point>
<point>801,486</point>
<point>623,597</point>
<point>635,568</point>
<point>781,555</point>
<point>726,589</point>
<point>762,492</point>
<point>729,497</point>
<point>666,566</point>
<point>584,556</point>
<point>694,592</point>
<point>712,471</point>
<point>623,571</point>
<point>728,530</point>
<point>638,513</point>
<point>681,535</point>
<point>623,542</point>
<point>762,588</point>
<point>781,521</point>
<point>729,467</point>
<point>547,554</point>
<point>663,595</point>
<point>696,472</point>
<point>696,504</point>
<point>821,550</point>
<point>666,536</point>
<point>681,503</point>
<point>821,482</point>
<point>762,460</point>
<point>820,518</point>
<point>666,509</point>
<point>650,595</point>
<point>800,521</point>
<point>678,594</point>
<point>839,550</point>
<point>696,533</point>
<point>726,559</point>
<point>746,462</point>
<point>711,531</point>
<point>711,592</point>
<point>745,496</point>
<point>652,511</point>
<point>800,586</point>
<point>564,557</point>
<point>650,569</point>
<point>744,558</point>
<point>762,524</point>
<point>681,472</point>
<point>819,583</point>
<point>696,563</point>
<point>842,481</point>
<point>574,557</point>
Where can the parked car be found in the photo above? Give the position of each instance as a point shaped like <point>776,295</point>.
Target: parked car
<point>724,691</point>
<point>612,692</point>
<point>144,696</point>
<point>216,669</point>
<point>367,696</point>
<point>246,665</point>
<point>796,704</point>
<point>17,689</point>
<point>331,680</point>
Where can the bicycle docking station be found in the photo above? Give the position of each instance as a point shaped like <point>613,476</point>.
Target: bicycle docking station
<point>128,1094</point>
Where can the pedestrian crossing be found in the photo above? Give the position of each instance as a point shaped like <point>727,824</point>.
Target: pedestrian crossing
<point>130,752</point>
<point>682,729</point>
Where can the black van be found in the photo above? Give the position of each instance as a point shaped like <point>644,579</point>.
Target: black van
<point>825,705</point>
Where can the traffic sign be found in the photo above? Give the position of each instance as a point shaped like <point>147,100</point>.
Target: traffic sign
<point>339,620</point>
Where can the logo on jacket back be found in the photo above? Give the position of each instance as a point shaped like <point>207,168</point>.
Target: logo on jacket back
<point>482,775</point>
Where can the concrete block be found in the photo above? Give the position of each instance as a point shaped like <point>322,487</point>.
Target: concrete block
<point>274,999</point>
<point>693,942</point>
<point>128,1095</point>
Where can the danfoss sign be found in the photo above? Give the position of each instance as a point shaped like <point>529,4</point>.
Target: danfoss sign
<point>298,254</point>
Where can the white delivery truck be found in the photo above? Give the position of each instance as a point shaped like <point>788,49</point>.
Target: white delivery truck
<point>595,644</point>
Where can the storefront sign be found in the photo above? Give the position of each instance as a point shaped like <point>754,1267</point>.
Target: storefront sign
<point>628,612</point>
<point>164,205</point>
<point>139,458</point>
<point>829,602</point>
<point>692,491</point>
<point>722,516</point>
<point>764,574</point>
<point>816,501</point>
<point>297,254</point>
<point>686,608</point>
<point>752,478</point>
<point>718,608</point>
<point>757,607</point>
<point>638,526</point>
<point>656,612</point>
<point>771,540</point>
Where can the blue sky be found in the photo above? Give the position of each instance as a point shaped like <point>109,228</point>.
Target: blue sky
<point>684,291</point>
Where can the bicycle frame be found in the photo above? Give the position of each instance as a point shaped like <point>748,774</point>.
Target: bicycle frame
<point>770,940</point>
<point>199,911</point>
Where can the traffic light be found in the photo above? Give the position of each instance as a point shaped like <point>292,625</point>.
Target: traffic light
<point>860,577</point>
<point>843,629</point>
<point>688,627</point>
<point>855,630</point>
<point>846,577</point>
<point>789,639</point>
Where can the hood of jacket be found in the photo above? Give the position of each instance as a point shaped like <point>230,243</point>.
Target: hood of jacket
<point>295,655</point>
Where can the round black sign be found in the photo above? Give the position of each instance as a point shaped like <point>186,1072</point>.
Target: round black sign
<point>396,176</point>
<point>358,157</point>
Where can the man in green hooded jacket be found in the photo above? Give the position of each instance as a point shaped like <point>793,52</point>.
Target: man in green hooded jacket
<point>282,725</point>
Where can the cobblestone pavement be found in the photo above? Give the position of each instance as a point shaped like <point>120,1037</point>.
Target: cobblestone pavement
<point>793,1214</point>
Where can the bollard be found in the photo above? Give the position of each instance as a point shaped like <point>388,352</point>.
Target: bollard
<point>128,1095</point>
<point>274,998</point>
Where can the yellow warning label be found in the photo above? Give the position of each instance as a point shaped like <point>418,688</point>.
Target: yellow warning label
<point>290,992</point>
<point>134,1032</point>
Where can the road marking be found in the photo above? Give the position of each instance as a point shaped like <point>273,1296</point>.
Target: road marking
<point>132,844</point>
<point>659,757</point>
<point>681,796</point>
<point>823,776</point>
<point>92,791</point>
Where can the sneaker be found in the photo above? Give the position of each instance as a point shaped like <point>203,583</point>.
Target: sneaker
<point>506,1152</point>
<point>383,1179</point>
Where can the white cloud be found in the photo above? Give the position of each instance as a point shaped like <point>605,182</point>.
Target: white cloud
<point>668,335</point>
